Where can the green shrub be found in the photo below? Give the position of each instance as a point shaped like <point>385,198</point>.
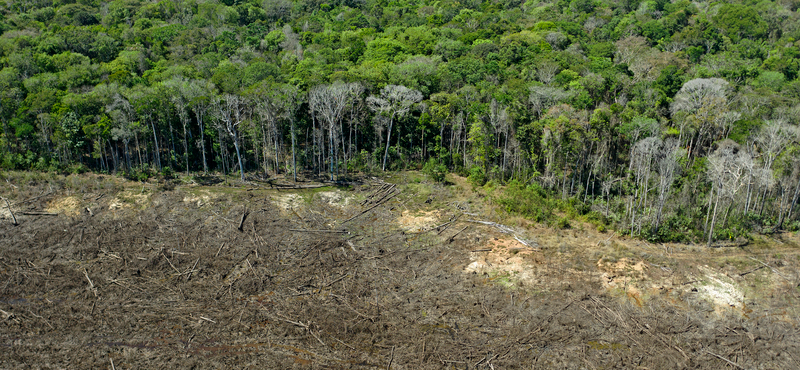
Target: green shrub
<point>477,176</point>
<point>529,201</point>
<point>435,170</point>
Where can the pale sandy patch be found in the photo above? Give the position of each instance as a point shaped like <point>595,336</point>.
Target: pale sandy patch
<point>417,222</point>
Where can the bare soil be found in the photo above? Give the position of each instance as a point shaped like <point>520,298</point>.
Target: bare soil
<point>131,275</point>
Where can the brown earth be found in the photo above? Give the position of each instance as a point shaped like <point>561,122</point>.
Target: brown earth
<point>132,275</point>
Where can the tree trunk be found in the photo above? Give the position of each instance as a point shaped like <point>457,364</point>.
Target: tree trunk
<point>155,140</point>
<point>388,141</point>
<point>238,153</point>
<point>186,148</point>
<point>294,159</point>
<point>113,156</point>
<point>277,165</point>
<point>794,200</point>
<point>203,141</point>
<point>713,220</point>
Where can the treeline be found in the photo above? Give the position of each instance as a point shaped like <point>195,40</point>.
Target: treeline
<point>668,120</point>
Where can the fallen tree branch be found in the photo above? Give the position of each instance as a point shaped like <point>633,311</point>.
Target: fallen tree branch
<point>11,212</point>
<point>320,231</point>
<point>32,199</point>
<point>370,208</point>
<point>771,268</point>
<point>724,359</point>
<point>753,270</point>
<point>36,213</point>
<point>244,216</point>
<point>450,240</point>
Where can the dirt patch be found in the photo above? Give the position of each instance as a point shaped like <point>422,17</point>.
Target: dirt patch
<point>417,221</point>
<point>159,282</point>
<point>505,257</point>
<point>622,272</point>
<point>69,206</point>
<point>335,198</point>
<point>128,199</point>
<point>720,289</point>
<point>199,199</point>
<point>288,202</point>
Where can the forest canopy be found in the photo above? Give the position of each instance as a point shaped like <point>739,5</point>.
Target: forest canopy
<point>669,120</point>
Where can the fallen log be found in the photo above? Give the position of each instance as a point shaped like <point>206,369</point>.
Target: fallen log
<point>36,213</point>
<point>11,212</point>
<point>320,231</point>
<point>244,216</point>
<point>370,208</point>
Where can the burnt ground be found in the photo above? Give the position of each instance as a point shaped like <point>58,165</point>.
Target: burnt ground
<point>158,278</point>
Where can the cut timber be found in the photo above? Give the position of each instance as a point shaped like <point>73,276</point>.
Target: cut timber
<point>35,213</point>
<point>282,186</point>
<point>14,218</point>
<point>370,208</point>
<point>450,240</point>
<point>321,231</point>
<point>244,216</point>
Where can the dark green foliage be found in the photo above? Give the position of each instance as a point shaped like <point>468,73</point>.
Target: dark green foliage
<point>435,170</point>
<point>553,94</point>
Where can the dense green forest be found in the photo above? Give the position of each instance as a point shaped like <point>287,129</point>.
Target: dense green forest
<point>672,121</point>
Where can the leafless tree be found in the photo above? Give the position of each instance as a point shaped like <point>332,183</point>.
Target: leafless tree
<point>394,102</point>
<point>557,40</point>
<point>703,104</point>
<point>771,140</point>
<point>727,171</point>
<point>232,111</point>
<point>328,103</point>
<point>667,166</point>
<point>630,49</point>
<point>592,23</point>
<point>543,97</point>
<point>643,156</point>
<point>199,94</point>
<point>547,71</point>
<point>501,123</point>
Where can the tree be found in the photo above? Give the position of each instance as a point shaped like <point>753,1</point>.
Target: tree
<point>329,101</point>
<point>667,166</point>
<point>177,94</point>
<point>727,170</point>
<point>702,104</point>
<point>542,98</point>
<point>199,95</point>
<point>395,101</point>
<point>275,103</point>
<point>231,111</point>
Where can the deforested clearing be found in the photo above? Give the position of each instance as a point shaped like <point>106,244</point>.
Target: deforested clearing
<point>101,270</point>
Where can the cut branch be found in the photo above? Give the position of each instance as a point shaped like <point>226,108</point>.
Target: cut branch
<point>11,212</point>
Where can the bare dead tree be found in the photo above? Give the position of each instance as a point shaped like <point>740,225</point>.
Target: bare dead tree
<point>232,111</point>
<point>543,97</point>
<point>642,161</point>
<point>546,72</point>
<point>667,166</point>
<point>395,101</point>
<point>727,170</point>
<point>329,102</point>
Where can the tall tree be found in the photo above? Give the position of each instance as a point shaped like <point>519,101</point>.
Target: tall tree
<point>329,102</point>
<point>394,102</point>
<point>232,111</point>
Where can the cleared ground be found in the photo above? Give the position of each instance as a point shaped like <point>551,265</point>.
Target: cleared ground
<point>390,273</point>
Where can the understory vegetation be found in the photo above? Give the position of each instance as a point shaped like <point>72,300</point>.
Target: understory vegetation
<point>666,120</point>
